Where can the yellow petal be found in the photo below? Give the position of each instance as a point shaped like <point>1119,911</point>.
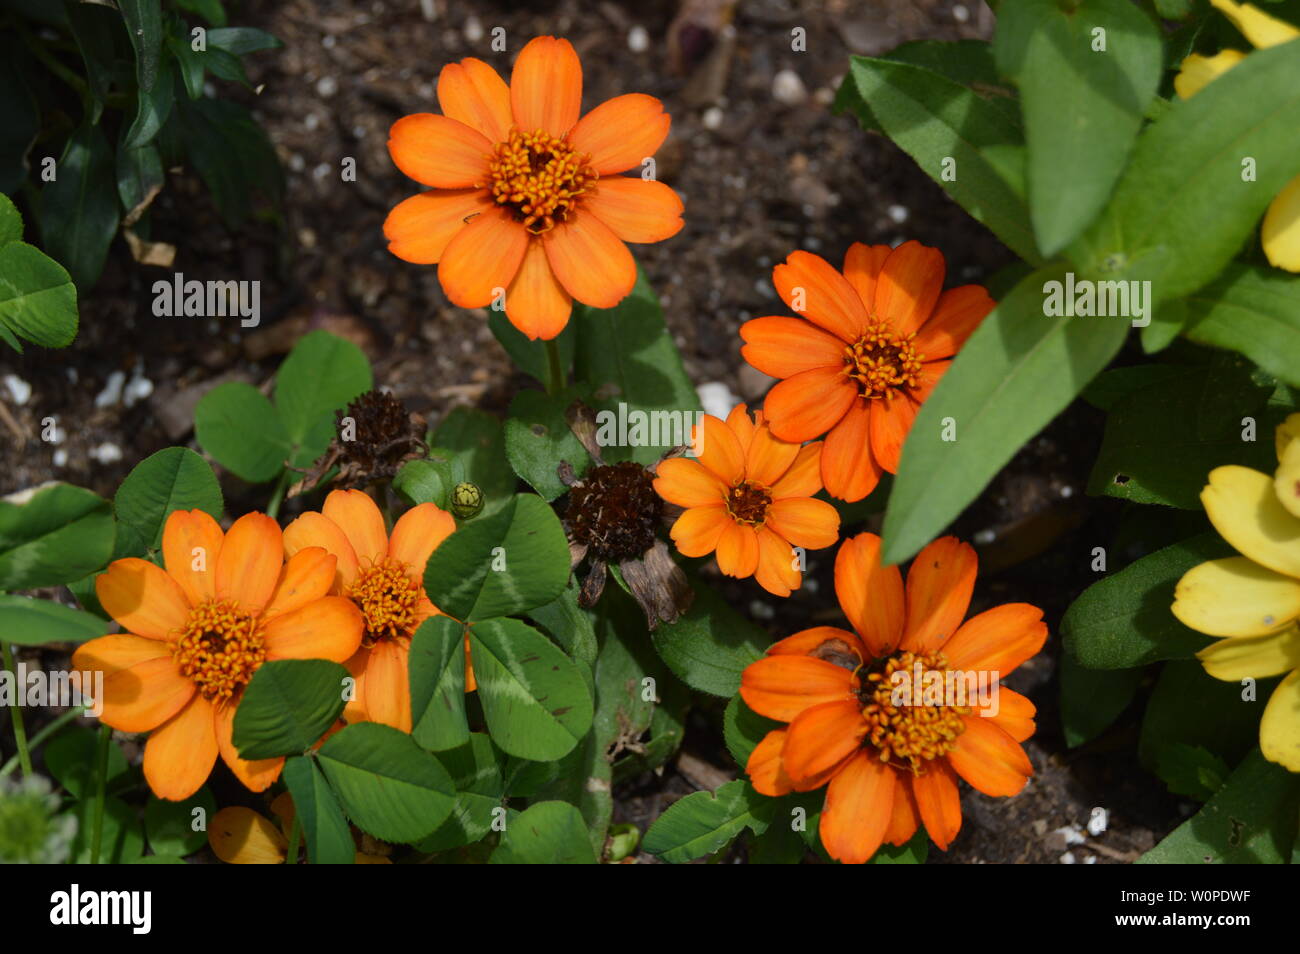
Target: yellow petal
<point>240,836</point>
<point>1197,71</point>
<point>1252,657</point>
<point>1286,432</point>
<point>1255,25</point>
<point>1286,479</point>
<point>1236,597</point>
<point>1279,729</point>
<point>1243,507</point>
<point>1280,232</point>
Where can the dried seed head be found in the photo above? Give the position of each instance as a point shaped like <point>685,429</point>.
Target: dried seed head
<point>373,438</point>
<point>614,511</point>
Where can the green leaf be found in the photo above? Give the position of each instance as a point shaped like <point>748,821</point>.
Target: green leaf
<point>1190,707</point>
<point>242,40</point>
<point>169,826</point>
<point>1111,387</point>
<point>743,729</point>
<point>547,833</point>
<point>94,27</point>
<point>144,24</point>
<point>1191,770</point>
<point>480,792</point>
<point>1182,209</point>
<point>1092,699</point>
<point>538,439</point>
<point>389,786</point>
<point>121,840</point>
<point>1082,107</point>
<point>705,822</point>
<point>967,144</point>
<point>210,10</point>
<point>535,701</point>
<point>79,208</point>
<point>710,645</point>
<point>437,676</point>
<point>70,757</point>
<point>38,301</point>
<point>1253,311</point>
<point>153,108</point>
<point>329,840</point>
<point>530,356</point>
<point>321,375</point>
<point>242,430</point>
<point>569,625</point>
<point>1124,620</point>
<point>425,481</point>
<point>476,438</point>
<point>912,853</point>
<point>288,706</point>
<point>11,222</point>
<point>190,63</point>
<point>172,479</point>
<point>59,535</point>
<point>20,119</point>
<point>33,622</point>
<point>231,153</point>
<point>1252,820</point>
<point>1015,373</point>
<point>139,177</point>
<point>500,564</point>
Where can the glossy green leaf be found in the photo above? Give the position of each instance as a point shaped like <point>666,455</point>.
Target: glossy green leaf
<point>1091,699</point>
<point>530,356</point>
<point>179,828</point>
<point>241,429</point>
<point>437,676</point>
<point>175,478</point>
<point>144,24</point>
<point>288,705</point>
<point>480,794</point>
<point>321,375</point>
<point>538,439</point>
<point>34,622</point>
<point>743,729</point>
<point>710,645</point>
<point>1253,311</point>
<point>70,758</point>
<point>476,438</point>
<point>547,833</point>
<point>324,829</point>
<point>705,822</point>
<point>79,213</point>
<point>1190,707</point>
<point>60,534</point>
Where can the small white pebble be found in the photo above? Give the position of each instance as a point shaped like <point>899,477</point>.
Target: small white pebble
<point>112,392</point>
<point>1068,858</point>
<point>717,398</point>
<point>19,390</point>
<point>1090,860</point>
<point>987,535</point>
<point>60,458</point>
<point>713,117</point>
<point>327,86</point>
<point>1072,834</point>
<point>473,29</point>
<point>1067,491</point>
<point>1097,821</point>
<point>321,171</point>
<point>311,121</point>
<point>760,610</point>
<point>136,390</point>
<point>960,13</point>
<point>638,40</point>
<point>898,213</point>
<point>328,41</point>
<point>106,453</point>
<point>788,88</point>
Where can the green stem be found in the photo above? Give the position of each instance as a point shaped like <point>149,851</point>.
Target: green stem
<point>101,783</point>
<point>42,735</point>
<point>291,857</point>
<point>277,497</point>
<point>555,377</point>
<point>16,713</point>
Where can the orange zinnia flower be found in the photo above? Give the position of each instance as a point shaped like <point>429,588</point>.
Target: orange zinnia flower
<point>889,765</point>
<point>520,202</point>
<point>197,631</point>
<point>870,351</point>
<point>749,496</point>
<point>384,576</point>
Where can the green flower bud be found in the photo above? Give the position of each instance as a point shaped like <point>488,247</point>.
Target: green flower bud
<point>466,500</point>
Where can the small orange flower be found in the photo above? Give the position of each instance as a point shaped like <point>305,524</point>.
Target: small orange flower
<point>383,576</point>
<point>526,195</point>
<point>890,766</point>
<point>198,630</point>
<point>869,348</point>
<point>749,496</point>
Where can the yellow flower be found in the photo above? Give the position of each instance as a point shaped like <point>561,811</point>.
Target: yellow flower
<point>1253,601</point>
<point>1280,233</point>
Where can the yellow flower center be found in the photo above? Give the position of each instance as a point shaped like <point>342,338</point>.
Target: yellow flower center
<point>747,502</point>
<point>911,725</point>
<point>881,362</point>
<point>389,598</point>
<point>219,649</point>
<point>539,177</point>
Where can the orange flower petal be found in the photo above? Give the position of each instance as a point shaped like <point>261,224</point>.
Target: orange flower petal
<point>438,151</point>
<point>361,522</point>
<point>764,766</point>
<point>589,261</point>
<point>781,687</point>
<point>240,836</point>
<point>720,451</point>
<point>388,686</point>
<point>419,228</point>
<point>316,530</point>
<point>482,259</point>
<point>859,807</point>
<point>848,469</point>
<point>871,595</point>
<point>536,302</point>
<point>248,566</point>
<point>956,316</point>
<point>939,586</point>
<point>938,802</point>
<point>891,420</point>
<point>354,709</point>
<point>688,483</point>
<point>697,531</point>
<point>768,457</point>
<point>805,521</point>
<point>988,758</point>
<point>777,570</point>
<point>179,755</point>
<point>906,818</point>
<point>621,133</point>
<point>417,533</point>
<point>737,550</point>
<point>258,774</point>
<point>742,425</point>
<point>803,478</point>
<point>636,210</point>
<point>142,686</point>
<point>809,404</point>
<point>819,740</point>
<point>909,285</point>
<point>1015,714</point>
<point>327,628</point>
<point>546,86</point>
<point>473,93</point>
<point>190,544</point>
<point>813,289</point>
<point>997,640</point>
<point>826,638</point>
<point>783,346</point>
<point>307,575</point>
<point>143,598</point>
<point>862,265</point>
<point>931,372</point>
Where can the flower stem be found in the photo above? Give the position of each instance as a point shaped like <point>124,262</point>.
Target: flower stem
<point>101,782</point>
<point>555,383</point>
<point>16,713</point>
<point>42,735</point>
<point>291,856</point>
<point>277,496</point>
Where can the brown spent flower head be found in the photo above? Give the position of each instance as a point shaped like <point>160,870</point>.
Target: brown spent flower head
<point>614,511</point>
<point>373,438</point>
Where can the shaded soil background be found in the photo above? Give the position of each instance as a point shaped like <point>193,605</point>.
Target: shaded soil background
<point>764,168</point>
